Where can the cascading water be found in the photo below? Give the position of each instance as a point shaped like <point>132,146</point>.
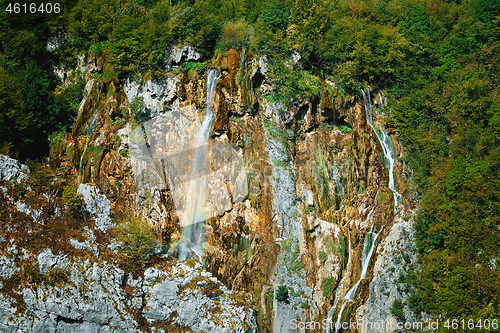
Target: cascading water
<point>194,232</point>
<point>339,287</point>
<point>385,143</point>
<point>368,247</point>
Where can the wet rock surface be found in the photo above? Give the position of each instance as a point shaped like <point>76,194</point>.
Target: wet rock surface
<point>395,254</point>
<point>61,291</point>
<point>315,175</point>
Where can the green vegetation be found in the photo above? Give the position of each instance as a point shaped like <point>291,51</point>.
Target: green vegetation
<point>137,242</point>
<point>72,199</point>
<point>322,256</point>
<point>327,286</point>
<point>292,259</point>
<point>310,209</point>
<point>33,101</point>
<point>270,297</point>
<point>437,61</point>
<point>237,120</point>
<point>282,294</point>
<point>345,129</point>
<point>397,308</point>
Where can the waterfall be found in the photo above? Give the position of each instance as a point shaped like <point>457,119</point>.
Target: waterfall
<point>386,143</point>
<point>193,233</point>
<point>368,247</point>
<point>339,287</point>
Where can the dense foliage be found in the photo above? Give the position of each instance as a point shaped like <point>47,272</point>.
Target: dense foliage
<point>30,108</point>
<point>437,60</point>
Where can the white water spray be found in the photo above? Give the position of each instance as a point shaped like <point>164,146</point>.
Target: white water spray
<point>339,287</point>
<point>193,233</point>
<point>368,247</point>
<point>385,143</point>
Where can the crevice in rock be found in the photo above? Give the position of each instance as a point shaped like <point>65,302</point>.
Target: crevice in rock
<point>257,80</point>
<point>68,320</point>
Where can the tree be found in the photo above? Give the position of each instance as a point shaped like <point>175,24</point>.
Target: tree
<point>307,28</point>
<point>282,294</point>
<point>15,122</point>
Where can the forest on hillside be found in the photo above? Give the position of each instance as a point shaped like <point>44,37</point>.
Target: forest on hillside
<point>438,61</point>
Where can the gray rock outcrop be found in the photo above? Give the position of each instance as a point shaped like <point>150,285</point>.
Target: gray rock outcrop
<point>11,168</point>
<point>394,256</point>
<point>60,291</point>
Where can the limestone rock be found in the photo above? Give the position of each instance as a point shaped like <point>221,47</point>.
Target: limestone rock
<point>11,168</point>
<point>155,95</point>
<point>184,54</point>
<point>309,198</point>
<point>97,206</point>
<point>394,254</point>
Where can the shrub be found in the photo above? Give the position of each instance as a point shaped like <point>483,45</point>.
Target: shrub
<point>282,294</point>
<point>416,303</point>
<point>397,308</point>
<point>72,199</point>
<point>345,129</point>
<point>137,242</point>
<point>327,127</point>
<point>406,258</point>
<point>234,35</point>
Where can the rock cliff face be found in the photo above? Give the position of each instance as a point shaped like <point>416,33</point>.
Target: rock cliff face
<point>45,288</point>
<point>316,182</point>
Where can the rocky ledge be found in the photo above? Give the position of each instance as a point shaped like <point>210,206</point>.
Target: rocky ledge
<point>83,289</point>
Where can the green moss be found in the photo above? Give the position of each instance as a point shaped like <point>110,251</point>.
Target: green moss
<point>310,209</point>
<point>270,297</point>
<point>322,257</point>
<point>382,196</point>
<point>96,152</point>
<point>117,142</point>
<point>237,120</point>
<point>70,152</point>
<point>124,152</point>
<point>327,286</point>
<point>117,121</point>
<point>72,199</point>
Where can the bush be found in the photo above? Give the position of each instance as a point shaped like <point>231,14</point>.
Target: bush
<point>345,129</point>
<point>137,242</point>
<point>72,199</point>
<point>234,35</point>
<point>282,294</point>
<point>397,308</point>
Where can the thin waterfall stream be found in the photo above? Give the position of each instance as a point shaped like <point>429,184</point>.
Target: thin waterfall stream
<point>368,247</point>
<point>385,142</point>
<point>339,287</point>
<point>193,233</point>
